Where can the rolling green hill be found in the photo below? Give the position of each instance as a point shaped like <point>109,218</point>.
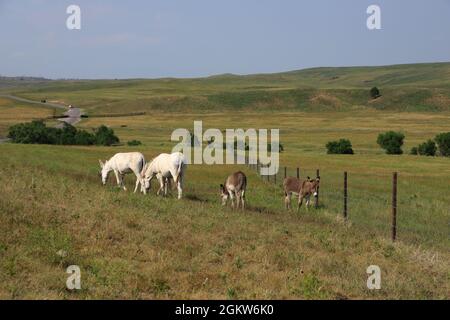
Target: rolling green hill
<point>411,87</point>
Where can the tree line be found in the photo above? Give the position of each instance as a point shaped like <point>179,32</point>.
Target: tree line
<point>36,132</point>
<point>392,143</point>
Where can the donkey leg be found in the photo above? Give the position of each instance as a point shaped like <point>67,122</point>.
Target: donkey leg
<point>122,181</point>
<point>231,198</point>
<point>238,200</point>
<point>300,202</point>
<point>243,199</point>
<point>116,173</point>
<point>287,201</point>
<point>138,181</point>
<point>180,187</point>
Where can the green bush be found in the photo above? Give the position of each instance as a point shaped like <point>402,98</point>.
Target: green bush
<point>414,151</point>
<point>36,132</point>
<point>427,148</point>
<point>84,138</point>
<point>134,143</point>
<point>391,141</point>
<point>375,93</point>
<point>443,142</point>
<point>343,146</point>
<point>104,136</point>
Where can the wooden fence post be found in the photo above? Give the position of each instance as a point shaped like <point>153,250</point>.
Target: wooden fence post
<point>275,178</point>
<point>345,195</point>
<point>298,173</point>
<point>285,172</point>
<point>394,206</point>
<point>317,198</point>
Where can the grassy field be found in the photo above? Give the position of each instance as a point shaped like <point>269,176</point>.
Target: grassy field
<point>55,213</point>
<point>416,87</point>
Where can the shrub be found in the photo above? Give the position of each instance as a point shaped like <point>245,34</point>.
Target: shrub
<point>37,132</point>
<point>391,141</point>
<point>134,143</point>
<point>84,138</point>
<point>375,93</point>
<point>105,136</point>
<point>443,142</point>
<point>414,151</point>
<point>33,132</point>
<point>427,148</point>
<point>343,146</point>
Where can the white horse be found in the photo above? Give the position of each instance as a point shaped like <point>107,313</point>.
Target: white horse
<point>164,167</point>
<point>122,163</point>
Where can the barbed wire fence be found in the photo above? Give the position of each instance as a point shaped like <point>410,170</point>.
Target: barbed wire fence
<point>335,195</point>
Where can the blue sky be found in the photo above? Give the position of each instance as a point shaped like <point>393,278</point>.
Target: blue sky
<point>190,38</point>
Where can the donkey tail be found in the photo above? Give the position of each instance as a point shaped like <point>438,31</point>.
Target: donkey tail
<point>178,173</point>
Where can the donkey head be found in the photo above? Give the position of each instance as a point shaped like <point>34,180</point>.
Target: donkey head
<point>104,170</point>
<point>223,194</point>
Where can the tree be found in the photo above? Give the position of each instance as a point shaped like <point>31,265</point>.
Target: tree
<point>67,136</point>
<point>105,136</point>
<point>375,93</point>
<point>84,138</point>
<point>391,141</point>
<point>443,141</point>
<point>37,132</point>
<point>343,146</point>
<point>427,148</point>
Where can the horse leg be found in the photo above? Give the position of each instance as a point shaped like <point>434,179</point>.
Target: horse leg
<point>243,199</point>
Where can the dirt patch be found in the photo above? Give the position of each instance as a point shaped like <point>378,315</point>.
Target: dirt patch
<point>327,100</point>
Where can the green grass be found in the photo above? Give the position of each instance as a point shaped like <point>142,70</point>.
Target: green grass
<point>132,246</point>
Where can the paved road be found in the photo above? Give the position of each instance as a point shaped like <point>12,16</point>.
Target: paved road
<point>73,114</point>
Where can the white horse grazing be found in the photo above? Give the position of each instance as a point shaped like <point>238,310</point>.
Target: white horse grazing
<point>165,166</point>
<point>122,163</point>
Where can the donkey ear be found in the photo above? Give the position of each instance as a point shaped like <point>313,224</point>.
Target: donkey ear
<point>308,178</point>
<point>101,163</point>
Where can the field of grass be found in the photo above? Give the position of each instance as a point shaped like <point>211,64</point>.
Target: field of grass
<point>55,213</point>
<point>12,112</point>
<point>416,87</point>
<point>132,246</point>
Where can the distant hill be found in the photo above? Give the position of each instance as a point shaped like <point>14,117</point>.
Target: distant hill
<point>408,87</point>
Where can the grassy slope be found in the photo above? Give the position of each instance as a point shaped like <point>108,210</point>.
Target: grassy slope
<point>131,246</point>
<point>416,87</point>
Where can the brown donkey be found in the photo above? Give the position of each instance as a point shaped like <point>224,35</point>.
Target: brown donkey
<point>304,189</point>
<point>234,186</point>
